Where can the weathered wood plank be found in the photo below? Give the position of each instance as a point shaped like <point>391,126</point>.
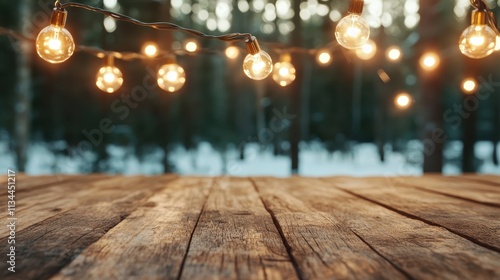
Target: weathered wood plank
<point>321,238</point>
<point>236,238</point>
<point>152,242</point>
<point>492,180</point>
<point>28,183</point>
<point>44,248</point>
<point>42,203</point>
<point>452,186</point>
<point>476,222</point>
<point>419,250</point>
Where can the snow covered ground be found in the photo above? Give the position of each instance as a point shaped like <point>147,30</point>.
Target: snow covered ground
<point>363,160</point>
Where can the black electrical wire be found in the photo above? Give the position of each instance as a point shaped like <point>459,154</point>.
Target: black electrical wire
<point>231,37</point>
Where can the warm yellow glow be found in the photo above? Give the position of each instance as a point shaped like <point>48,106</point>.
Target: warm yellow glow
<point>55,44</point>
<point>402,100</point>
<point>469,85</point>
<point>477,41</point>
<point>232,52</point>
<point>150,49</point>
<point>352,31</point>
<point>497,44</point>
<point>284,73</point>
<point>367,51</point>
<point>171,77</point>
<point>258,66</point>
<point>109,79</point>
<point>393,53</point>
<point>191,45</point>
<point>324,57</point>
<point>429,61</point>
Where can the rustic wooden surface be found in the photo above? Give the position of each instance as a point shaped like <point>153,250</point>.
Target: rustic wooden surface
<point>170,227</point>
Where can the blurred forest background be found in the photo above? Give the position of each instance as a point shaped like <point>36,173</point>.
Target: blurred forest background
<point>344,117</point>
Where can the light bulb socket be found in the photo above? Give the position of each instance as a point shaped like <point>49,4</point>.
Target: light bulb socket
<point>58,17</point>
<point>252,45</point>
<point>285,57</point>
<point>170,59</point>
<point>356,7</point>
<point>110,60</point>
<point>478,17</point>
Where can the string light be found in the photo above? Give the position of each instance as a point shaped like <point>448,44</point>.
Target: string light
<point>469,86</point>
<point>232,52</point>
<point>324,57</point>
<point>352,31</point>
<point>367,51</point>
<point>54,43</point>
<point>109,78</point>
<point>402,100</point>
<point>284,72</point>
<point>150,49</point>
<point>393,53</point>
<point>257,64</point>
<point>171,77</point>
<point>190,45</point>
<point>429,61</point>
<point>478,40</point>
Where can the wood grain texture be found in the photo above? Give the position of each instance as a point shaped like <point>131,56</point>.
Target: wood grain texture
<point>492,180</point>
<point>42,203</point>
<point>49,245</point>
<point>419,250</point>
<point>479,223</point>
<point>471,190</point>
<point>236,238</point>
<point>152,242</point>
<point>322,243</point>
<point>25,184</point>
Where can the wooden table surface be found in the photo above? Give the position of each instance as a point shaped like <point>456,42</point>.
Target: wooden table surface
<point>169,227</point>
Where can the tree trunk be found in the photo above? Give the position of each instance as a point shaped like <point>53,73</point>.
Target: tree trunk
<point>469,125</point>
<point>295,133</point>
<point>23,94</point>
<point>431,29</point>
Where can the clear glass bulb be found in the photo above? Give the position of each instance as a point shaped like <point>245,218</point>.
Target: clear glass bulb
<point>367,51</point>
<point>352,31</point>
<point>109,79</point>
<point>324,58</point>
<point>477,41</point>
<point>232,52</point>
<point>258,66</point>
<point>171,77</point>
<point>284,73</point>
<point>55,44</point>
<point>403,100</point>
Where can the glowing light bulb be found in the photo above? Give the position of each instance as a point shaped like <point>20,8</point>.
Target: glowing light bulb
<point>402,100</point>
<point>324,57</point>
<point>171,77</point>
<point>257,64</point>
<point>367,51</point>
<point>109,79</point>
<point>497,44</point>
<point>54,43</point>
<point>393,53</point>
<point>429,61</point>
<point>469,86</point>
<point>352,31</point>
<point>478,40</point>
<point>150,49</point>
<point>284,72</point>
<point>232,52</point>
<point>190,45</point>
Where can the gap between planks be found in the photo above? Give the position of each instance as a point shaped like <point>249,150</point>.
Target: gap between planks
<point>461,227</point>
